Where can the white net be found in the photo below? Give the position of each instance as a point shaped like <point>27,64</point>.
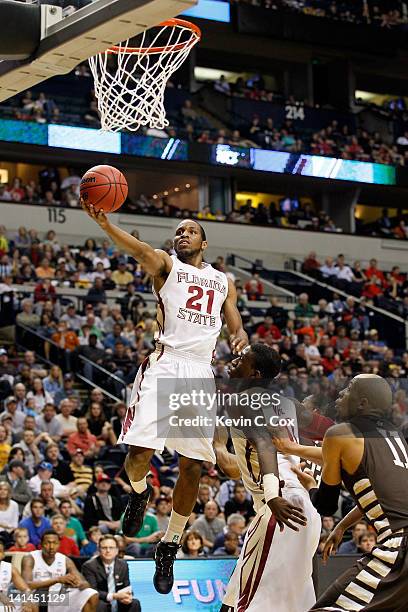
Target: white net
<point>130,82</point>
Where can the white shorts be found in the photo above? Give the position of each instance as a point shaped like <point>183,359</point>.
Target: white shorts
<point>156,419</point>
<point>75,598</point>
<point>274,569</point>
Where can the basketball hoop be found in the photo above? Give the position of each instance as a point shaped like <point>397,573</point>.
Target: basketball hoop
<point>130,93</point>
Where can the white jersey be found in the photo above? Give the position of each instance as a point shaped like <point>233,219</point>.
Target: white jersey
<point>189,309</point>
<point>247,456</point>
<point>5,576</point>
<point>43,571</point>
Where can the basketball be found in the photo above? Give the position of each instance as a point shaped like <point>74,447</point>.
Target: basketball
<point>105,187</point>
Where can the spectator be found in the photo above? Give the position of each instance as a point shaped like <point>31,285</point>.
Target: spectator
<point>239,504</point>
<point>9,511</point>
<point>366,542</point>
<point>47,422</point>
<point>222,85</point>
<point>115,336</point>
<point>254,288</point>
<point>21,539</point>
<point>53,382</point>
<point>235,524</point>
<point>303,310</point>
<point>36,523</point>
<point>351,547</point>
<point>44,474</point>
<point>74,527</point>
<point>122,277</point>
<point>109,576</point>
<point>208,524</point>
<point>40,395</point>
<point>5,447</point>
<point>17,416</point>
<point>328,270</point>
<point>373,272</point>
<point>82,439</point>
<point>119,410</point>
<point>83,474</point>
<point>66,392</point>
<point>96,294</point>
<point>89,549</point>
<point>45,270</point>
<point>231,546</point>
<point>65,338</point>
<point>163,509</point>
<point>71,318</point>
<point>192,545</point>
<point>268,328</point>
<point>29,447</point>
<point>101,508</point>
<point>67,546</point>
<point>60,468</point>
<point>15,477</point>
<point>310,264</point>
<point>64,418</point>
<point>27,316</point>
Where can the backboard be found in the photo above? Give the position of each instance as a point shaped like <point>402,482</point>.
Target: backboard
<point>66,42</point>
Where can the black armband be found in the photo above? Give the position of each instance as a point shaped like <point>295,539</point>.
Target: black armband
<point>325,498</point>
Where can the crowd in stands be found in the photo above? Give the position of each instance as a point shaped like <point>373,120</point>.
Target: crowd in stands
<point>333,140</point>
<point>52,190</point>
<point>191,124</point>
<point>381,13</point>
<point>388,290</point>
<point>60,464</point>
<point>41,109</point>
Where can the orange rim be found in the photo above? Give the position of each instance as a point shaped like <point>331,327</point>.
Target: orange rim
<point>170,23</point>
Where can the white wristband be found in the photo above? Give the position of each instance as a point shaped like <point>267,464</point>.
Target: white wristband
<point>271,486</point>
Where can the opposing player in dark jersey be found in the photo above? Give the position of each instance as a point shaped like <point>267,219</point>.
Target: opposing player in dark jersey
<point>370,456</point>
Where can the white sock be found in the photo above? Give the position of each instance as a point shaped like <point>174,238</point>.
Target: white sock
<point>139,486</point>
<point>175,528</point>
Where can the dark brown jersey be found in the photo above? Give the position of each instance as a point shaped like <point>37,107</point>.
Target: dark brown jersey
<point>380,483</point>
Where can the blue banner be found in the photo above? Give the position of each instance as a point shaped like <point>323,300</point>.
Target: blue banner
<point>199,584</point>
<point>304,165</point>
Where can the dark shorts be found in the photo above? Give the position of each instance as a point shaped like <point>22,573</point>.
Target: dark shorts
<point>377,582</point>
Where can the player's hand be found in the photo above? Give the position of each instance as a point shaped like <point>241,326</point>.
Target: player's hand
<point>305,477</point>
<point>284,445</point>
<point>238,343</point>
<point>285,512</point>
<point>98,216</point>
<point>220,436</point>
<point>71,580</point>
<point>332,543</point>
<point>5,601</point>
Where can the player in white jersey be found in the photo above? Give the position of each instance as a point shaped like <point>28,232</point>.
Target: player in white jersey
<point>191,296</point>
<point>54,577</point>
<point>261,580</point>
<point>13,589</point>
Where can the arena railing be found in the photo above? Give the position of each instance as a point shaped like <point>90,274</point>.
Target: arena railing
<point>275,290</point>
<point>50,353</point>
<point>98,376</point>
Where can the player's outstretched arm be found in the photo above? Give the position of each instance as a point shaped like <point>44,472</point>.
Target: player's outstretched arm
<point>155,261</point>
<point>289,447</point>
<point>335,537</point>
<point>238,336</point>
